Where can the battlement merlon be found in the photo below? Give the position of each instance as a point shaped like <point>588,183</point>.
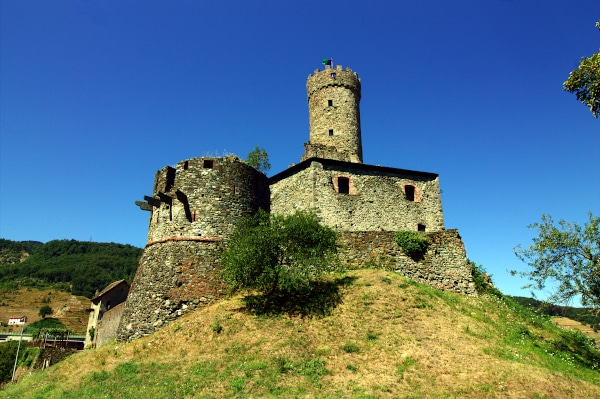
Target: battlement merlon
<point>333,77</point>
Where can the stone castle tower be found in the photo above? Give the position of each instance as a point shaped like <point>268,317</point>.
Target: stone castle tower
<point>333,104</point>
<point>193,208</point>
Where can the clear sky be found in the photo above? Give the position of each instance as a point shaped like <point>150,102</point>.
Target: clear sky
<point>95,96</point>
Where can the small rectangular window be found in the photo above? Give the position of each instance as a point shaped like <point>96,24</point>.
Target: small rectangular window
<point>331,132</point>
<point>330,103</point>
<point>186,165</point>
<point>420,227</point>
<point>343,185</point>
<point>207,164</point>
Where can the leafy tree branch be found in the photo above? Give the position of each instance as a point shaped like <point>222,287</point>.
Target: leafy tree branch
<point>568,255</point>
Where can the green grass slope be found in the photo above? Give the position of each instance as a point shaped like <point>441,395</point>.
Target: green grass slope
<point>388,338</point>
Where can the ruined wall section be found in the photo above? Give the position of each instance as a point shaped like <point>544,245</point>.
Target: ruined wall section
<point>377,199</point>
<point>444,266</point>
<point>194,208</point>
<point>334,115</point>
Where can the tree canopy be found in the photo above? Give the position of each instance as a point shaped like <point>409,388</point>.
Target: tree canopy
<point>271,253</point>
<point>259,159</point>
<point>585,81</point>
<point>568,256</point>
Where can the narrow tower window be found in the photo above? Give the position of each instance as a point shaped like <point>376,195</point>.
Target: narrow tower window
<point>409,191</point>
<point>331,132</point>
<point>185,165</point>
<point>330,103</point>
<point>207,164</point>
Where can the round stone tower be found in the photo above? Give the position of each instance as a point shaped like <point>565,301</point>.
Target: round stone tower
<point>333,106</point>
<point>194,207</point>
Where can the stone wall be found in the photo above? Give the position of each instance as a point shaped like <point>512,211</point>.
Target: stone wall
<point>444,266</point>
<point>334,115</point>
<point>376,198</point>
<point>173,278</point>
<point>106,328</point>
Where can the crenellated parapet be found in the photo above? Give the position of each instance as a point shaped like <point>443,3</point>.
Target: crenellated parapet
<point>333,77</point>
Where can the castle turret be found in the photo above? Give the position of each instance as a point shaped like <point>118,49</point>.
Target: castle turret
<point>333,98</point>
<point>194,207</point>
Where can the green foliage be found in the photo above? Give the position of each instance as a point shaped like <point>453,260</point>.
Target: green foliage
<point>568,255</point>
<point>259,159</point>
<point>585,81</point>
<point>45,310</point>
<point>216,326</point>
<point>483,281</point>
<point>49,324</point>
<point>8,351</point>
<point>413,243</point>
<point>273,253</point>
<point>13,251</point>
<point>350,347</point>
<point>582,315</point>
<point>76,266</point>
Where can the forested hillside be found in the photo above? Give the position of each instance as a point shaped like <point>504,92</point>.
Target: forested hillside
<point>80,267</point>
<point>582,315</point>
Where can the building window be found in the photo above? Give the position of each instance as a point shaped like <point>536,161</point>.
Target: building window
<point>331,132</point>
<point>236,189</point>
<point>409,191</point>
<point>333,75</point>
<point>420,227</point>
<point>207,164</point>
<point>194,215</point>
<point>186,165</point>
<point>330,103</point>
<point>343,185</point>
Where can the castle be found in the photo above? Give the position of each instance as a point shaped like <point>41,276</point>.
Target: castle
<point>195,205</point>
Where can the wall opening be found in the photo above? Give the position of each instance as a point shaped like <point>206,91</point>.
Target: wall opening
<point>330,103</point>
<point>420,227</point>
<point>170,181</point>
<point>207,164</point>
<point>331,132</point>
<point>409,191</point>
<point>186,165</point>
<point>343,185</point>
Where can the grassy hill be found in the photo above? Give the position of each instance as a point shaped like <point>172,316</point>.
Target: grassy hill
<point>388,338</point>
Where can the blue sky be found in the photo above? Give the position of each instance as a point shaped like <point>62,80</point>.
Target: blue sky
<point>95,96</point>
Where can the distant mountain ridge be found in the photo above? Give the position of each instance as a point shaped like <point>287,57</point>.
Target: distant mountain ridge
<point>79,267</point>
